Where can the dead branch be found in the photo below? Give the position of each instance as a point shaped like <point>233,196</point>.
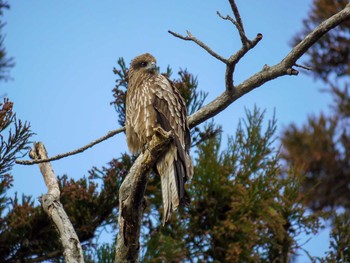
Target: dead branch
<point>285,67</point>
<point>131,196</point>
<point>72,250</point>
<point>190,37</point>
<point>237,23</point>
<point>303,66</point>
<point>79,150</point>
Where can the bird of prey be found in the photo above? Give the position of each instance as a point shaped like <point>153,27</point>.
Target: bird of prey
<point>153,101</point>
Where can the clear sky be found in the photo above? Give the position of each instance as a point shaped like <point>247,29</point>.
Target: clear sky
<point>65,52</point>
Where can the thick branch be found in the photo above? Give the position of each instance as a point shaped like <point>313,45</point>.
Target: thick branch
<point>131,196</point>
<point>315,35</point>
<point>72,250</point>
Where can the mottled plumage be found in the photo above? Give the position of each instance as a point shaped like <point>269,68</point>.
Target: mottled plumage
<point>151,101</point>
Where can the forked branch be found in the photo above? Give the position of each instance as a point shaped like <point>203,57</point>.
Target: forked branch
<point>285,67</point>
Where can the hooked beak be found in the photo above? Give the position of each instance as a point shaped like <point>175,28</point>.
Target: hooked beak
<point>152,66</point>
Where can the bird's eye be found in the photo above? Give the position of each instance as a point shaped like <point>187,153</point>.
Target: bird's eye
<point>143,64</point>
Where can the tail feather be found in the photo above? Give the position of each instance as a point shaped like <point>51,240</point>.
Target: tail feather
<point>172,175</point>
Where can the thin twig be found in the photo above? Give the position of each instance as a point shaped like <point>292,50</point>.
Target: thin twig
<point>190,37</point>
<point>303,67</point>
<point>245,41</point>
<point>237,15</point>
<point>79,150</point>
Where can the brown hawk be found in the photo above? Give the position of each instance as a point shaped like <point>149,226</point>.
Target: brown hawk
<point>153,101</point>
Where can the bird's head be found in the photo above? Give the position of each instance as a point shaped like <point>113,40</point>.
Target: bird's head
<point>144,63</point>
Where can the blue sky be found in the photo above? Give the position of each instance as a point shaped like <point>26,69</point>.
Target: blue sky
<point>65,52</point>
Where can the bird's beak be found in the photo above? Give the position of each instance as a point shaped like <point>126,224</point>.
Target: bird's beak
<point>152,66</point>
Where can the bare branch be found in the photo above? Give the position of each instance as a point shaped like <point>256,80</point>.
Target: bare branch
<point>237,15</point>
<point>303,66</point>
<point>190,37</point>
<point>268,73</point>
<point>234,59</point>
<point>79,150</point>
<point>315,35</point>
<point>245,41</point>
<point>131,196</point>
<point>72,250</point>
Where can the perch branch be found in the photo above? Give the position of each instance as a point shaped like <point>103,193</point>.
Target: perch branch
<point>131,196</point>
<point>72,250</point>
<point>79,150</point>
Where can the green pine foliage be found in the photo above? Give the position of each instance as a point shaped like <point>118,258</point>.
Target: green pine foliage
<point>244,207</point>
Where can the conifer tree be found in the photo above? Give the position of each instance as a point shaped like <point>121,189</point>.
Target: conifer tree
<point>320,148</point>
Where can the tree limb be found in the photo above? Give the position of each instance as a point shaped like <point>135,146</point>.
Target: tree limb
<point>72,250</point>
<point>267,73</point>
<point>79,150</point>
<point>131,196</point>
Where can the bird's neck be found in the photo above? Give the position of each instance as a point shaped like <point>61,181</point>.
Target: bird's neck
<point>138,78</point>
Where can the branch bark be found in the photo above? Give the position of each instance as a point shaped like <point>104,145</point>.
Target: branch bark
<point>72,250</point>
<point>79,150</point>
<point>131,197</point>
